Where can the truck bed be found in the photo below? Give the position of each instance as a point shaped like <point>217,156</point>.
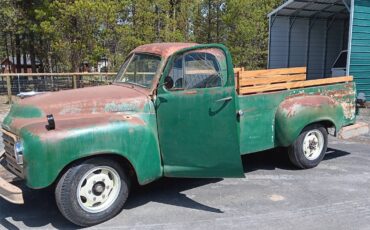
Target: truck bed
<point>261,101</point>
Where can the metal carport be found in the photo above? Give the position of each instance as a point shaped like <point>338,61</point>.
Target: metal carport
<point>313,33</point>
<point>308,33</point>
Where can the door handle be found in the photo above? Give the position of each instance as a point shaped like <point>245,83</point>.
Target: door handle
<point>190,92</point>
<point>225,99</point>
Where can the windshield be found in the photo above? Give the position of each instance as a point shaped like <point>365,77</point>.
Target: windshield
<point>139,69</point>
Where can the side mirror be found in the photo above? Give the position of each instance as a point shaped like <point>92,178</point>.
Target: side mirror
<point>168,83</point>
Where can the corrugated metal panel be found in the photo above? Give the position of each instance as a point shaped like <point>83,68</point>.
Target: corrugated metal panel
<point>298,43</point>
<point>360,50</point>
<point>279,43</point>
<point>308,8</point>
<point>315,67</point>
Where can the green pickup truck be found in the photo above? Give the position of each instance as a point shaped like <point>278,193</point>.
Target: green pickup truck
<point>173,110</point>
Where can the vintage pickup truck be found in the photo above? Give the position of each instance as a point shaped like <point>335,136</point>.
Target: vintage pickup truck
<point>174,110</point>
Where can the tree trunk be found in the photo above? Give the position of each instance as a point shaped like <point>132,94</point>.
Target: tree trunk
<point>209,21</point>
<point>158,27</point>
<point>18,53</point>
<point>24,62</point>
<point>32,52</point>
<point>7,52</point>
<point>218,22</point>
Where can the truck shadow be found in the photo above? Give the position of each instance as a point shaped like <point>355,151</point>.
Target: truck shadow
<point>278,159</point>
<point>40,209</point>
<point>169,191</point>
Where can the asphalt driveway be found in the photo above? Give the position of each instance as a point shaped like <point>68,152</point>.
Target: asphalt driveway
<point>273,195</point>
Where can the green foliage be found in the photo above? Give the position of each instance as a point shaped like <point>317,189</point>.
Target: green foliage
<point>247,31</point>
<point>62,34</point>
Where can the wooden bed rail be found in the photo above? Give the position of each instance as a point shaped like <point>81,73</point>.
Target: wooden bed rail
<point>260,81</point>
<point>269,72</point>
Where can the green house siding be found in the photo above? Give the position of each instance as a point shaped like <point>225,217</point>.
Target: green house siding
<point>360,46</point>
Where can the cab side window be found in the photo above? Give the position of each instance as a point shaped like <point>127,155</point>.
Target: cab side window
<point>198,69</point>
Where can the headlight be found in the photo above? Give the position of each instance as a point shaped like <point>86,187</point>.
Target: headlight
<point>18,150</point>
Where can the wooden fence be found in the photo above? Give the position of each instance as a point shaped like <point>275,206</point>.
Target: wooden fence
<point>14,83</point>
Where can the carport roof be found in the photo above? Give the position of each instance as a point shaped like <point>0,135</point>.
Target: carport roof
<point>313,8</point>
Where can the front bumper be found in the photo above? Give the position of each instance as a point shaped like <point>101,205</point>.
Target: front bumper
<point>9,191</point>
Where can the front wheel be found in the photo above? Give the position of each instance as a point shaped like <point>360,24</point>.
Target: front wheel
<point>310,147</point>
<point>92,192</point>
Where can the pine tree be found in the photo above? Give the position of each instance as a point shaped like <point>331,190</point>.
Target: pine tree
<point>247,31</point>
<point>62,34</point>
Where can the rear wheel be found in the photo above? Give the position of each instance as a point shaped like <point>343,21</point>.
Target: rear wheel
<point>92,192</point>
<point>310,147</point>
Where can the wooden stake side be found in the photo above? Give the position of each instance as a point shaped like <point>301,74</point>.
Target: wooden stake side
<point>272,72</point>
<point>237,82</point>
<point>294,85</point>
<point>271,80</point>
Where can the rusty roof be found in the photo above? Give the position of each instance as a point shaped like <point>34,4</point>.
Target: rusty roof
<point>163,49</point>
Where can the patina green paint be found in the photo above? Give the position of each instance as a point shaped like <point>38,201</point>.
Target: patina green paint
<point>21,111</point>
<point>265,125</point>
<point>288,125</point>
<point>198,135</point>
<point>46,154</point>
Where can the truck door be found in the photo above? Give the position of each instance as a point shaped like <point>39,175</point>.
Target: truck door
<point>196,114</point>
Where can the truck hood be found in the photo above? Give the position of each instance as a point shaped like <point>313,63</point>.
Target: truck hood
<point>102,103</point>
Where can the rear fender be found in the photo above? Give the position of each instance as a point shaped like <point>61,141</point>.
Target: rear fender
<point>294,114</point>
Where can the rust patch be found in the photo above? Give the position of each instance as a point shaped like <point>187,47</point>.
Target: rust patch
<point>339,94</point>
<point>67,126</point>
<point>99,99</point>
<point>84,108</point>
<point>313,101</point>
<point>349,110</point>
<point>342,97</point>
<point>163,49</point>
<point>293,105</point>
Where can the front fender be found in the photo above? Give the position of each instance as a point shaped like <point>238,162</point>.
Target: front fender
<point>294,114</point>
<point>47,153</point>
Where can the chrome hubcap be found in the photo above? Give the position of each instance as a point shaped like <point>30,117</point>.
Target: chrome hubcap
<point>313,144</point>
<point>98,189</point>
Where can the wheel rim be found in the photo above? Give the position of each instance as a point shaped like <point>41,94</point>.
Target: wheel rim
<point>313,144</point>
<point>98,189</point>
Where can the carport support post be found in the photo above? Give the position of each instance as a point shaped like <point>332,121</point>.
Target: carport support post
<point>9,88</point>
<point>271,23</point>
